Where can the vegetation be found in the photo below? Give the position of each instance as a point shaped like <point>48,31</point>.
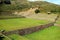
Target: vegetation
<point>19,23</point>
<point>37,11</point>
<point>17,37</point>
<point>51,33</point>
<point>24,4</point>
<point>1,37</point>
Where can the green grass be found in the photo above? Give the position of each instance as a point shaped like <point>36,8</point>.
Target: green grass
<point>17,37</point>
<point>19,23</point>
<point>51,33</point>
<point>6,38</point>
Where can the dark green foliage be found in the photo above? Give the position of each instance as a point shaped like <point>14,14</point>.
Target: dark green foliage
<point>55,11</point>
<point>1,2</point>
<point>7,2</point>
<point>37,11</point>
<point>1,37</point>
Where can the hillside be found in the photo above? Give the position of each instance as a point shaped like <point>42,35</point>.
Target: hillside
<point>45,6</point>
<point>24,5</point>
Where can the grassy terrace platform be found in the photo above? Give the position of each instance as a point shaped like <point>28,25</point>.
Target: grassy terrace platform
<point>51,33</point>
<point>19,23</point>
<point>18,37</point>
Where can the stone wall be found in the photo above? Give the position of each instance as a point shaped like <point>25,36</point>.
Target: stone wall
<point>29,30</point>
<point>9,15</point>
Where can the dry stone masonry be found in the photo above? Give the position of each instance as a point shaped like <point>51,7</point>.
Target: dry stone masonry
<point>29,30</point>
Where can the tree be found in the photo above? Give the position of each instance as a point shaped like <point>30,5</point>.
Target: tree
<point>37,11</point>
<point>7,1</point>
<point>1,37</point>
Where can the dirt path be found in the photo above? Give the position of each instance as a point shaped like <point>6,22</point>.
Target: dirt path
<point>57,25</point>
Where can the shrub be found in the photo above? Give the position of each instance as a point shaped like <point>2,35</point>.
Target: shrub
<point>1,37</point>
<point>37,11</point>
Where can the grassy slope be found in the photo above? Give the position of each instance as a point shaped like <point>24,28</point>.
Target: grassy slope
<point>14,24</point>
<point>7,38</point>
<point>17,37</point>
<point>52,33</point>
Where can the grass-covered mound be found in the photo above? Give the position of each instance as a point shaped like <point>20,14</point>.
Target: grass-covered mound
<point>51,33</point>
<point>19,23</point>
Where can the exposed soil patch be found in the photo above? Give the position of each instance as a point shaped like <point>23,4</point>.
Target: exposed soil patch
<point>57,25</point>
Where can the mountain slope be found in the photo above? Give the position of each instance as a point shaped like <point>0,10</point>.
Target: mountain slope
<point>24,4</point>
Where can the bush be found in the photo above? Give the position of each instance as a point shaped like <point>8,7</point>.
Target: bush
<point>1,37</point>
<point>7,2</point>
<point>37,11</point>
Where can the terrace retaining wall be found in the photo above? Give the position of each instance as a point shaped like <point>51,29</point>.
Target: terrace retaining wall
<point>12,17</point>
<point>29,30</point>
